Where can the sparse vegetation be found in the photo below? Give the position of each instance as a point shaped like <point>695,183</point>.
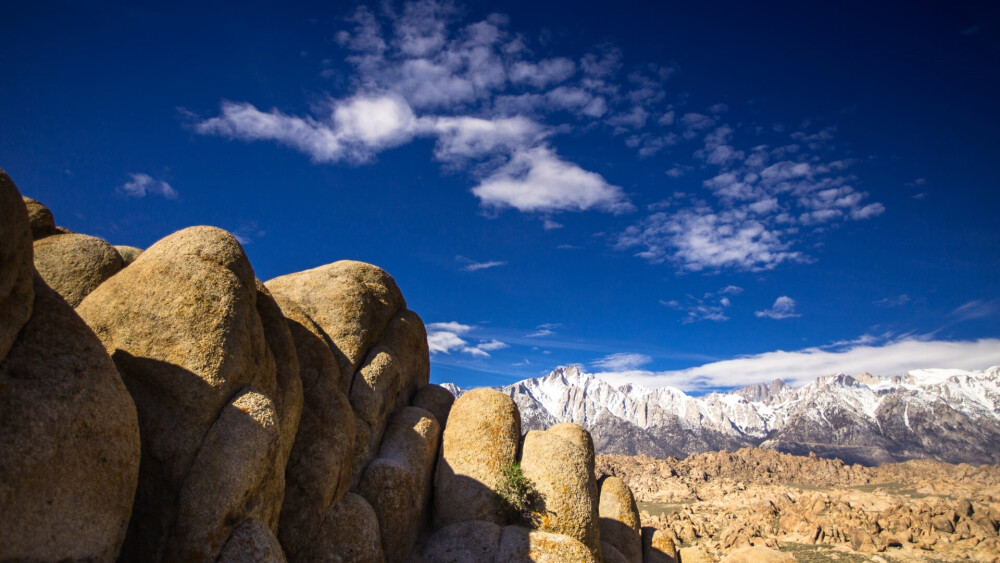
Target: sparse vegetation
<point>518,496</point>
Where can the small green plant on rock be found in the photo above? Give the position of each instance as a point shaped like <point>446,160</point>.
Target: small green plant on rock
<point>518,496</point>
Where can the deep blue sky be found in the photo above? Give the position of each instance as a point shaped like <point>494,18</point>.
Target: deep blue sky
<point>646,191</point>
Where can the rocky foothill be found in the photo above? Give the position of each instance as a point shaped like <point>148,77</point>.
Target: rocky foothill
<point>166,405</point>
<point>725,505</point>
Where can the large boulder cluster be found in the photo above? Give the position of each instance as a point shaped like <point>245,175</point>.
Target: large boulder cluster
<point>166,405</point>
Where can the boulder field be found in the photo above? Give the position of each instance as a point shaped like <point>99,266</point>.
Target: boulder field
<point>166,405</point>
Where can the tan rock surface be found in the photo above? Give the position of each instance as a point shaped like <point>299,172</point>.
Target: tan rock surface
<point>562,474</point>
<point>17,290</point>
<point>318,474</point>
<point>468,541</point>
<point>184,328</point>
<point>69,441</point>
<point>350,533</point>
<point>128,253</point>
<point>74,265</point>
<point>519,544</point>
<point>252,542</point>
<point>435,399</point>
<point>398,482</point>
<point>620,525</point>
<point>480,439</point>
<point>43,224</point>
<point>351,301</point>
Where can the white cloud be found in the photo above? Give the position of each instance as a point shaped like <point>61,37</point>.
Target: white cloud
<point>473,266</point>
<point>710,307</point>
<point>894,301</point>
<point>142,185</point>
<point>622,361</point>
<point>698,238</point>
<point>355,129</point>
<point>471,137</point>
<point>802,366</point>
<point>543,73</point>
<point>537,180</point>
<point>445,338</point>
<point>783,308</point>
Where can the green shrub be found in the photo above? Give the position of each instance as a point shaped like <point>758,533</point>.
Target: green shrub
<point>518,496</point>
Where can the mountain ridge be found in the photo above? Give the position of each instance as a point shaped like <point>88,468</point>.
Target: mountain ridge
<point>945,414</point>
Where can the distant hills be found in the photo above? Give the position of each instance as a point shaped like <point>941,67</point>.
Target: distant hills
<point>945,414</point>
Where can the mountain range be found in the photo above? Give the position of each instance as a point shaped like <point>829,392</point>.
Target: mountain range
<point>945,414</point>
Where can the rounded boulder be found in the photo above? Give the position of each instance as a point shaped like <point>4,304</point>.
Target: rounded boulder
<point>478,443</point>
<point>75,265</point>
<point>620,525</point>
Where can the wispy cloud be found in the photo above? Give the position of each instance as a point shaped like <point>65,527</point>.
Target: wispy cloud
<point>469,265</point>
<point>976,309</point>
<point>783,308</point>
<point>802,366</point>
<point>447,337</point>
<point>893,301</point>
<point>709,307</point>
<point>142,185</point>
<point>542,330</point>
<point>622,361</point>
<point>764,199</point>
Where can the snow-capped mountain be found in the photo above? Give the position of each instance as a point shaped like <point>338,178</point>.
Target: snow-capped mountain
<point>951,415</point>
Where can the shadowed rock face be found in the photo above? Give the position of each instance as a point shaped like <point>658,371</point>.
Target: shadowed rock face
<point>17,290</point>
<point>350,532</point>
<point>69,439</point>
<point>398,482</point>
<point>196,341</point>
<point>43,223</point>
<point>480,440</point>
<point>473,541</point>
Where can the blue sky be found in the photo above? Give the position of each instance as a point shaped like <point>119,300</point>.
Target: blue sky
<point>694,195</point>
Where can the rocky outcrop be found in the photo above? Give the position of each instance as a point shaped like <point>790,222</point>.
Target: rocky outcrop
<point>658,546</point>
<point>379,345</point>
<point>69,439</point>
<point>479,441</point>
<point>350,532</point>
<point>17,290</point>
<point>620,525</point>
<point>563,474</point>
<point>435,399</point>
<point>43,223</point>
<point>398,482</point>
<point>195,341</point>
<point>74,265</point>
<point>474,541</point>
<point>318,474</point>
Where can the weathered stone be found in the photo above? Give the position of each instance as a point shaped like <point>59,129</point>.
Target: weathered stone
<point>619,515</point>
<point>610,554</point>
<point>558,468</point>
<point>252,542</point>
<point>435,399</point>
<point>480,440</point>
<point>128,253</point>
<point>69,441</point>
<point>318,474</point>
<point>758,554</point>
<point>238,449</point>
<point>519,544</point>
<point>349,533</point>
<point>398,482</point>
<point>579,436</point>
<point>352,301</point>
<point>657,546</point>
<point>74,265</point>
<point>468,541</point>
<point>17,290</point>
<point>189,331</point>
<point>43,224</point>
<point>693,554</point>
